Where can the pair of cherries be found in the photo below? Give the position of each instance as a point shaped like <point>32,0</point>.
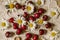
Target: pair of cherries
<point>20,30</point>
<point>40,12</point>
<point>43,31</point>
<point>29,35</point>
<point>18,6</point>
<point>9,34</point>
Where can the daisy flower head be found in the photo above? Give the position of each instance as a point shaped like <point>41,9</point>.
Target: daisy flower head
<point>31,25</point>
<point>4,24</point>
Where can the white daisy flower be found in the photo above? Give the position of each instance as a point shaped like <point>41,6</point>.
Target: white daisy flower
<point>53,35</point>
<point>9,4</point>
<point>4,24</point>
<point>30,8</point>
<point>54,13</point>
<point>31,25</point>
<point>39,2</point>
<point>20,20</point>
<point>40,21</point>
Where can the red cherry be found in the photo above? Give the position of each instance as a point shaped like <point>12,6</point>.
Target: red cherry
<point>25,14</point>
<point>41,10</point>
<point>31,18</point>
<point>7,34</point>
<point>17,6</point>
<point>48,25</point>
<point>35,37</point>
<point>19,31</point>
<point>36,15</point>
<point>27,39</point>
<point>23,7</point>
<point>11,20</point>
<point>41,31</point>
<point>24,27</point>
<point>15,25</point>
<point>27,19</point>
<point>28,35</point>
<point>45,17</point>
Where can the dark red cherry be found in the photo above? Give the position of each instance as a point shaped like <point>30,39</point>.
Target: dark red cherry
<point>17,6</point>
<point>36,15</point>
<point>41,10</point>
<point>27,39</point>
<point>25,14</point>
<point>9,34</point>
<point>41,31</point>
<point>15,25</point>
<point>11,20</point>
<point>35,37</point>
<point>28,35</point>
<point>23,7</point>
<point>48,25</point>
<point>24,27</point>
<point>31,18</point>
<point>27,19</point>
<point>19,31</point>
<point>45,17</point>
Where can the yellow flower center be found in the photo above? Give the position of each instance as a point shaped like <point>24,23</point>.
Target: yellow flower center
<point>30,25</point>
<point>11,5</point>
<point>53,34</point>
<point>40,21</point>
<point>53,13</point>
<point>19,21</point>
<point>39,2</point>
<point>3,24</point>
<point>28,8</point>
